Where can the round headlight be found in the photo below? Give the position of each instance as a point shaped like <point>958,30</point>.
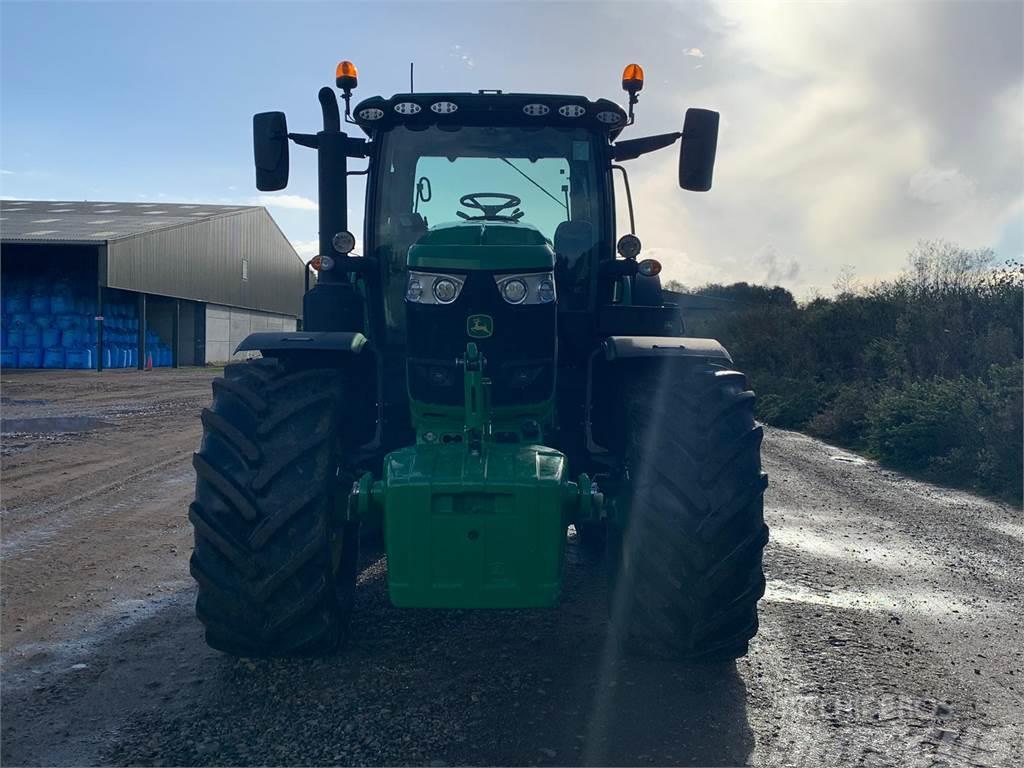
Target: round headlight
<point>514,291</point>
<point>344,241</point>
<point>445,290</point>
<point>545,291</point>
<point>414,290</point>
<point>629,246</point>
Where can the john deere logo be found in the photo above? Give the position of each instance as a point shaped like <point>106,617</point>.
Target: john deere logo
<point>480,326</point>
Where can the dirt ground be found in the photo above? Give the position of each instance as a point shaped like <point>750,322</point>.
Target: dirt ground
<point>890,632</point>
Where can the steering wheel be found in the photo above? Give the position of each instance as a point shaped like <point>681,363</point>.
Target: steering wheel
<point>491,211</point>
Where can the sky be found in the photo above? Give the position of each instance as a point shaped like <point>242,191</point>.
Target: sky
<point>849,131</point>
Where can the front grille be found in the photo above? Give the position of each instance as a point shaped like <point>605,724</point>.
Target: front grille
<point>520,353</point>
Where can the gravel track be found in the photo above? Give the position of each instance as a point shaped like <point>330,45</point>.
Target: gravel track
<point>890,632</point>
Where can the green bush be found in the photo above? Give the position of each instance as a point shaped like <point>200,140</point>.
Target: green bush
<point>928,425</point>
<point>923,372</point>
<point>844,420</point>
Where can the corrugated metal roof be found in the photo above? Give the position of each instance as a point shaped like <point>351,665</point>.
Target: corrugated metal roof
<point>230,255</point>
<point>36,221</point>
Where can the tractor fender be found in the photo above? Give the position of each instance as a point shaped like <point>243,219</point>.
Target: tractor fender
<point>624,347</point>
<point>295,341</point>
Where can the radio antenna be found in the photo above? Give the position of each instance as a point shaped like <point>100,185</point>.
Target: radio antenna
<point>411,89</point>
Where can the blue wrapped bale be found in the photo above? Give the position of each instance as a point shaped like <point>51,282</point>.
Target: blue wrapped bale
<point>79,358</point>
<point>61,303</point>
<point>33,337</point>
<point>15,303</point>
<point>30,357</point>
<point>51,337</point>
<point>73,337</point>
<point>53,357</point>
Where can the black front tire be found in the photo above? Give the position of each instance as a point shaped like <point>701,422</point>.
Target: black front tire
<point>687,565</point>
<point>275,563</point>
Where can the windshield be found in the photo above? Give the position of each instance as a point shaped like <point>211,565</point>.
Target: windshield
<point>545,177</point>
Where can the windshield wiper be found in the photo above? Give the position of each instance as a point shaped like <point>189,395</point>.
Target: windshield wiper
<point>538,186</point>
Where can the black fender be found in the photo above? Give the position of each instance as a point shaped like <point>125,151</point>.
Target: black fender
<point>616,351</point>
<point>269,342</point>
<point>332,349</point>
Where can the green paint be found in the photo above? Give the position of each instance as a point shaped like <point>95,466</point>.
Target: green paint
<point>484,530</point>
<point>495,246</point>
<point>470,522</point>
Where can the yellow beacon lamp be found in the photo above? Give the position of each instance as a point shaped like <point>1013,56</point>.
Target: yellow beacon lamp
<point>346,77</point>
<point>632,83</point>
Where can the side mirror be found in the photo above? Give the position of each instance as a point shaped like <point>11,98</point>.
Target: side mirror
<point>270,150</point>
<point>697,149</point>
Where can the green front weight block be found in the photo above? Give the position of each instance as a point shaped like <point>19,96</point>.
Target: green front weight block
<point>465,531</point>
<point>474,522</point>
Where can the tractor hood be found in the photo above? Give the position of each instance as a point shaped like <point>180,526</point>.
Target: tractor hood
<point>482,245</point>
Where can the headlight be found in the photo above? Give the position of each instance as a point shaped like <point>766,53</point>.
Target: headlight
<point>546,291</point>
<point>445,290</point>
<point>414,290</point>
<point>533,288</point>
<point>431,288</point>
<point>514,291</point>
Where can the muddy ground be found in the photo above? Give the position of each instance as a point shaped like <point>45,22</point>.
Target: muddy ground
<point>891,628</point>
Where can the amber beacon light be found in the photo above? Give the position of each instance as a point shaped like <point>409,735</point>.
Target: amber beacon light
<point>346,76</point>
<point>633,78</point>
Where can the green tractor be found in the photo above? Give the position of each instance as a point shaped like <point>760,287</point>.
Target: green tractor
<point>493,369</point>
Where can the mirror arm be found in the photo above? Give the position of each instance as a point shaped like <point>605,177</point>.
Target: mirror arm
<point>305,139</point>
<point>353,147</point>
<point>633,148</point>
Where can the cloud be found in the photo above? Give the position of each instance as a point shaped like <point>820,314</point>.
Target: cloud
<point>4,172</point>
<point>295,202</point>
<point>849,132</point>
<point>696,53</point>
<point>463,56</point>
<point>777,268</point>
<point>940,186</point>
<point>307,249</point>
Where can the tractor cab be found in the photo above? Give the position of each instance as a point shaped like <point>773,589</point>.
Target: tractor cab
<point>513,159</point>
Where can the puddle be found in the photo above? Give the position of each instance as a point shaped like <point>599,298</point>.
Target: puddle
<point>894,600</point>
<point>848,459</point>
<point>55,425</point>
<point>888,551</point>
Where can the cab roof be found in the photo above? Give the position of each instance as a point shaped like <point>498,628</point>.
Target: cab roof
<point>489,108</point>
